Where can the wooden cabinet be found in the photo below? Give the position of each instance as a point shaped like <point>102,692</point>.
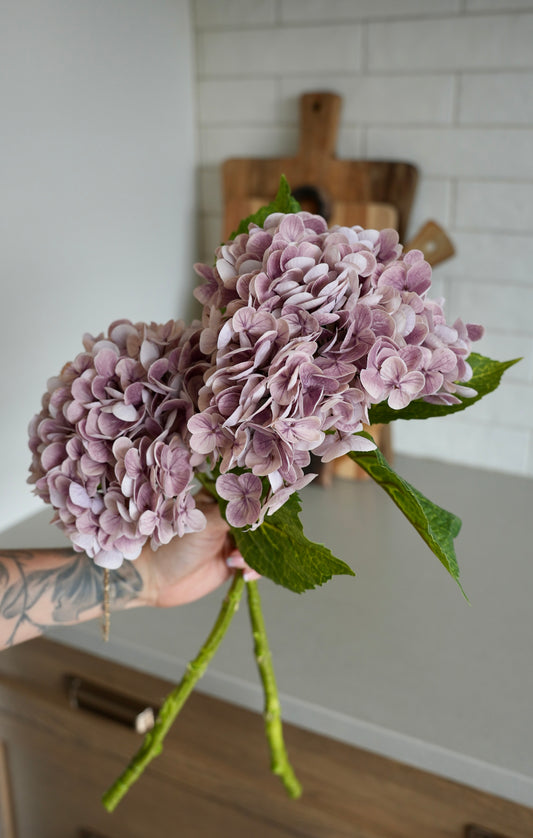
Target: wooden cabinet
<point>212,778</point>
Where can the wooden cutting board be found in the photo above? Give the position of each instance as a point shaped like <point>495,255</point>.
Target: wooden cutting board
<point>375,215</point>
<point>434,243</point>
<point>249,183</point>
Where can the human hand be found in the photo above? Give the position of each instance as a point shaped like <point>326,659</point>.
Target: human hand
<point>190,567</point>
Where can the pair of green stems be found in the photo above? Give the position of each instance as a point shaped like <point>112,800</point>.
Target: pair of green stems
<point>153,742</point>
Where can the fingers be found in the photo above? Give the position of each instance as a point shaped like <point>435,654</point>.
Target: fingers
<point>236,561</point>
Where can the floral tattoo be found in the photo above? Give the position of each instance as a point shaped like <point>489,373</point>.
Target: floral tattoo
<point>58,592</point>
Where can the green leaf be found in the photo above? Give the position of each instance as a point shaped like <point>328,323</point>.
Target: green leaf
<point>486,378</point>
<point>279,550</point>
<point>435,525</point>
<point>283,202</point>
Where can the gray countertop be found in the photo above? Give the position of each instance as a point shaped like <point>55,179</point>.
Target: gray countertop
<point>395,660</point>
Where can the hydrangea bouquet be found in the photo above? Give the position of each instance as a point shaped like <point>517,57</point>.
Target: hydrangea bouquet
<point>308,335</point>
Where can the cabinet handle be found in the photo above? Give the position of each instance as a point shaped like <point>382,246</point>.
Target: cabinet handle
<point>85,695</point>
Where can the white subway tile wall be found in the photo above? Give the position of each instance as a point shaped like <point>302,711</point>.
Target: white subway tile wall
<point>496,205</point>
<point>445,84</point>
<point>496,98</point>
<point>458,153</point>
<point>452,43</point>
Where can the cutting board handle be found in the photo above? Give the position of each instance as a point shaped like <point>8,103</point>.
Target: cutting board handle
<point>319,124</point>
<point>434,243</point>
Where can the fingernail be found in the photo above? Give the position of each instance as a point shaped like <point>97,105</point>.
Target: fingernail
<point>234,560</point>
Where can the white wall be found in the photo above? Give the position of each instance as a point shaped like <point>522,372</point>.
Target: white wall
<point>446,84</point>
<point>97,184</point>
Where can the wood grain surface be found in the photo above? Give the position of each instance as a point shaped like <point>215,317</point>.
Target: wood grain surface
<point>342,182</point>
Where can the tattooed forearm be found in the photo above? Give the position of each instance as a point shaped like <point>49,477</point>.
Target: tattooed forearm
<point>41,588</point>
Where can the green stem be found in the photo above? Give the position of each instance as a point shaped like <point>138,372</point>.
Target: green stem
<point>280,764</point>
<point>153,742</point>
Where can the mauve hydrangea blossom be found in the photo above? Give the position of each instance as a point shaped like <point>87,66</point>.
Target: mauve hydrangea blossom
<point>243,492</point>
<point>307,328</point>
<point>111,447</point>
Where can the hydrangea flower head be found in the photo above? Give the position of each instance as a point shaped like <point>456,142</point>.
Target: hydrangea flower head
<point>307,328</point>
<point>111,446</point>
